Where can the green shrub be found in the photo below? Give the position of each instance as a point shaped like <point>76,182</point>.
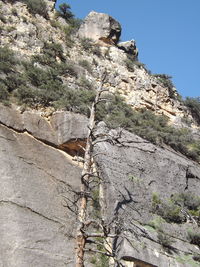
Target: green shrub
<point>7,60</point>
<point>26,95</point>
<point>64,11</point>
<point>156,222</point>
<point>35,96</point>
<point>187,200</point>
<point>10,28</point>
<point>86,65</point>
<point>196,257</point>
<point>155,200</point>
<point>96,204</point>
<point>3,92</point>
<point>171,210</point>
<point>3,18</point>
<point>67,68</point>
<point>42,87</point>
<point>50,53</point>
<point>84,83</point>
<point>194,237</point>
<point>89,46</point>
<point>165,81</point>
<point>14,80</point>
<point>36,7</point>
<point>86,44</point>
<point>194,105</point>
<point>168,210</point>
<point>155,128</point>
<point>164,239</point>
<point>68,32</point>
<point>14,11</point>
<point>55,23</point>
<point>77,101</point>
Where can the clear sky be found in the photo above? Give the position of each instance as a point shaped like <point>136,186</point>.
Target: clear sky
<point>167,34</point>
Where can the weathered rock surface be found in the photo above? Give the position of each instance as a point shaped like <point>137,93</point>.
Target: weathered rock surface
<point>63,127</point>
<point>134,170</point>
<point>38,181</point>
<point>24,33</point>
<point>100,26</point>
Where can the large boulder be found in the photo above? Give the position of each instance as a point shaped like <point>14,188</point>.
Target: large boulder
<point>100,26</point>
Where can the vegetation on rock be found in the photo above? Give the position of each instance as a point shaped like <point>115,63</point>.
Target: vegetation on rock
<point>34,6</point>
<point>194,105</point>
<point>177,208</point>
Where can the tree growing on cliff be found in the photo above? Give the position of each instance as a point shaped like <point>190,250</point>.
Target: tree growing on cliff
<point>65,12</point>
<point>83,234</point>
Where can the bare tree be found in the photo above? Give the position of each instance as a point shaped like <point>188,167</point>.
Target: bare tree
<point>86,176</point>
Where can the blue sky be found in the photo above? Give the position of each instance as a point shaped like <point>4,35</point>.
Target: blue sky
<point>167,33</point>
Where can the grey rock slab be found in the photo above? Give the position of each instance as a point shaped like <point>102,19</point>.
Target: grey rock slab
<point>133,170</point>
<point>11,117</point>
<point>69,126</point>
<point>39,127</point>
<point>59,129</point>
<point>36,180</point>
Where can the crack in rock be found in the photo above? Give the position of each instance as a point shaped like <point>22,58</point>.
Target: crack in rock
<point>29,209</point>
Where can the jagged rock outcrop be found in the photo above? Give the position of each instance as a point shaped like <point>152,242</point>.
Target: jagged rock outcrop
<point>27,35</point>
<point>100,26</point>
<point>129,47</point>
<point>24,33</point>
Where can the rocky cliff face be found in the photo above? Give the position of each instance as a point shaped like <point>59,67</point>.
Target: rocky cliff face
<point>146,195</point>
<point>40,180</point>
<point>27,35</point>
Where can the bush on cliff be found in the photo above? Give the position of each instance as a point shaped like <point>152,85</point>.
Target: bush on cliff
<point>177,207</point>
<point>7,60</point>
<point>194,105</point>
<point>3,92</point>
<point>36,7</point>
<point>64,11</point>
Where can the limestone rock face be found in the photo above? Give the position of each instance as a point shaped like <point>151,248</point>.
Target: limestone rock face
<point>27,33</point>
<point>100,26</point>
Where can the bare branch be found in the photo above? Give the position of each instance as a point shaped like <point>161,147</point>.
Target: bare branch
<point>100,235</point>
<point>98,251</point>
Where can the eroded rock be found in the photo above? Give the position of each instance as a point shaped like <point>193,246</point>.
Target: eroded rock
<point>129,47</point>
<point>100,26</point>
<point>133,170</point>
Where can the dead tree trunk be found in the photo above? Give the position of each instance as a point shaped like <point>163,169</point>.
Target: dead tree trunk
<point>81,237</point>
